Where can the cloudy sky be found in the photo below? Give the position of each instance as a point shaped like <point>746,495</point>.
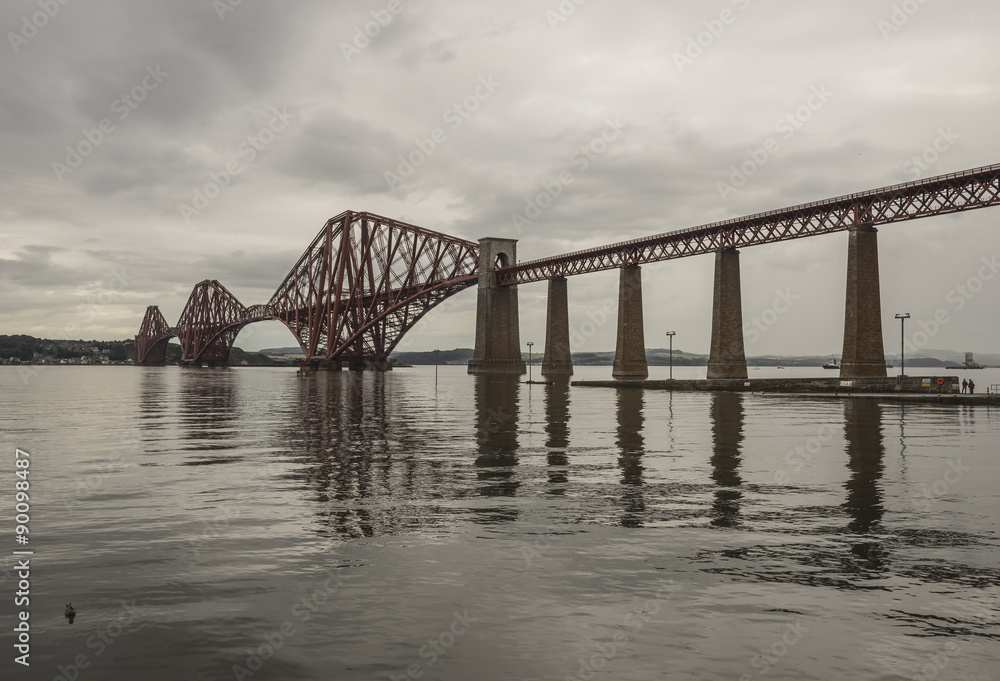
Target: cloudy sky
<point>117,117</point>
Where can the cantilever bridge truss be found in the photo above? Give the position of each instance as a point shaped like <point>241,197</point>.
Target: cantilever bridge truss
<point>365,280</point>
<point>362,283</point>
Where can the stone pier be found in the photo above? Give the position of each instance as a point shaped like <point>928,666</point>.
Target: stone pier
<point>864,354</point>
<point>630,351</point>
<point>558,361</point>
<point>727,358</point>
<point>498,343</point>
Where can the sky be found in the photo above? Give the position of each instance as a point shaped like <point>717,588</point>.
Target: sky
<point>150,145</point>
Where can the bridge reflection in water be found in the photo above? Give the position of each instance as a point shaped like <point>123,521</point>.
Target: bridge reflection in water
<point>375,469</point>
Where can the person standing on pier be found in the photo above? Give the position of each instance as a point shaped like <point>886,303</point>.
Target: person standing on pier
<point>972,387</point>
<point>965,384</point>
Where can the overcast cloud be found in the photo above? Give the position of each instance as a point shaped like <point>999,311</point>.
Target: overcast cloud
<point>162,96</point>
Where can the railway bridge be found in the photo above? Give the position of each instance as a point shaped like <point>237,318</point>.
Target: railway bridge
<point>365,280</point>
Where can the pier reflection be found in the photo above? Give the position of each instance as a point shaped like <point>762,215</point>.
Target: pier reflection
<point>557,432</point>
<point>726,412</point>
<point>208,410</point>
<point>370,466</point>
<point>496,399</point>
<point>865,454</point>
<point>632,446</point>
<point>154,400</point>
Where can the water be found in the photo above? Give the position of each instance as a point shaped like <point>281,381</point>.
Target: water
<point>368,526</point>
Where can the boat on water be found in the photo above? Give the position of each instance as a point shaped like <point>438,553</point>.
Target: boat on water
<point>832,364</point>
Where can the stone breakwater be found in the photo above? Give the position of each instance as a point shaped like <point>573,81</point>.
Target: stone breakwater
<point>933,386</point>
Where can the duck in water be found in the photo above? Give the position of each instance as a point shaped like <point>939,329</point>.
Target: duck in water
<point>70,612</point>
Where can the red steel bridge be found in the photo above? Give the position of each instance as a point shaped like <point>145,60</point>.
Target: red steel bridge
<point>365,280</point>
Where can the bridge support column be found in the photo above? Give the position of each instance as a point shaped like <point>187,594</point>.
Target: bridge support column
<point>727,358</point>
<point>558,361</point>
<point>864,354</point>
<point>326,365</point>
<point>369,365</point>
<point>630,350</point>
<point>498,341</point>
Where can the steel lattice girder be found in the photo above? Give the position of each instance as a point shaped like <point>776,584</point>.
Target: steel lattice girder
<point>154,334</point>
<point>210,323</point>
<point>966,190</point>
<point>365,280</point>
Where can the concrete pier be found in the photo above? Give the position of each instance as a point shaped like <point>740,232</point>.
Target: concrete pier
<point>727,357</point>
<point>558,361</point>
<point>864,354</point>
<point>630,351</point>
<point>498,343</point>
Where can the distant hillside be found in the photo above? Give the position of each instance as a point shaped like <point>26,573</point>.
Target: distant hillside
<point>30,349</point>
<point>443,356</point>
<point>281,352</point>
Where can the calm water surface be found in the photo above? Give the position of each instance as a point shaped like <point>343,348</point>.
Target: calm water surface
<point>246,523</point>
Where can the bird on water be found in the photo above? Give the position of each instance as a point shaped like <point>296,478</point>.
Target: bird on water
<point>70,612</point>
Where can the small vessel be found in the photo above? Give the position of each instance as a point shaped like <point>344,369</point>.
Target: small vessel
<point>832,364</point>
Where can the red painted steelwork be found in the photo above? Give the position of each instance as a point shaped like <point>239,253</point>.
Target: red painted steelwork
<point>210,322</point>
<point>154,334</point>
<point>364,281</point>
<point>966,190</point>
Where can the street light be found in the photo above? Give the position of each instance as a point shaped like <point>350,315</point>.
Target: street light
<point>670,335</point>
<point>902,345</point>
<point>529,360</point>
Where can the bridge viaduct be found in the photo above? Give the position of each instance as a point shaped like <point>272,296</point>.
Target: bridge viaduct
<point>365,280</point>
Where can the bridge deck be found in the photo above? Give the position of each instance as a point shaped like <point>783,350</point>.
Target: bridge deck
<point>965,190</point>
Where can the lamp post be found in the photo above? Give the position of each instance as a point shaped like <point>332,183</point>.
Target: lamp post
<point>670,335</point>
<point>529,360</point>
<point>902,345</point>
